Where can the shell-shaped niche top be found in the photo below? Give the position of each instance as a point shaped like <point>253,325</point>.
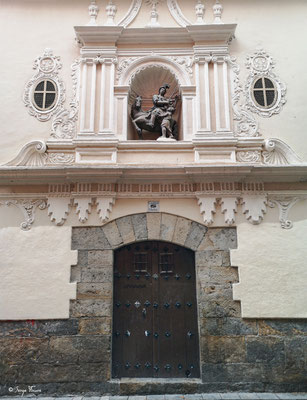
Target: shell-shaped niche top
<point>147,81</point>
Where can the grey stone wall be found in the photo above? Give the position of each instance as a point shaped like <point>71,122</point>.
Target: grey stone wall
<point>74,355</point>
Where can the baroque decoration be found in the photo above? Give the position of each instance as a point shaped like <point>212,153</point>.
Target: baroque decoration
<point>47,68</point>
<point>261,65</point>
<point>212,197</point>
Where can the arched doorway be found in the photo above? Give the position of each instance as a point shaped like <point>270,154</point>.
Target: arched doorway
<point>155,329</point>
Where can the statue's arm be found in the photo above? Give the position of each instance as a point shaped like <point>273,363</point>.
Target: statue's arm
<point>158,102</point>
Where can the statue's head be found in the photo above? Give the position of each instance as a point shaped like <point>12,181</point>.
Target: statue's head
<point>163,89</point>
<point>138,101</point>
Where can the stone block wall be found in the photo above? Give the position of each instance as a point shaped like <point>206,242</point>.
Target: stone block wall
<point>74,355</point>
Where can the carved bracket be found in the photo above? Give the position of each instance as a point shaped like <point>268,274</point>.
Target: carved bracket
<point>84,207</point>
<point>207,208</point>
<point>284,203</point>
<point>28,209</point>
<point>58,209</point>
<point>229,207</point>
<point>104,207</point>
<point>254,207</point>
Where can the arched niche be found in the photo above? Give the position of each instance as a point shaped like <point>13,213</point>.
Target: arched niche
<point>144,77</point>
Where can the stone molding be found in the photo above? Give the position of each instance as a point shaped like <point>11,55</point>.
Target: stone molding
<point>46,66</point>
<point>224,197</point>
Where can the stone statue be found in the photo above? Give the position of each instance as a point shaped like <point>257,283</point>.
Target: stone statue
<point>159,118</point>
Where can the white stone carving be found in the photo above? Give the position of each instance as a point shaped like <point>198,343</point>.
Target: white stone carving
<point>93,10</point>
<point>186,62</point>
<point>252,156</point>
<point>104,207</point>
<point>177,14</point>
<point>32,154</point>
<point>245,123</point>
<point>123,65</point>
<point>284,203</point>
<point>229,207</point>
<point>28,208</point>
<point>84,207</point>
<point>260,65</point>
<point>154,15</point>
<point>131,14</point>
<point>207,208</point>
<point>217,12</point>
<point>58,209</point>
<point>278,152</point>
<point>111,12</point>
<point>60,158</point>
<point>64,122</point>
<point>47,66</point>
<point>200,12</point>
<point>254,207</point>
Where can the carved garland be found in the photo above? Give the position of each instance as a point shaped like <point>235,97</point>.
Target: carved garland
<point>47,66</point>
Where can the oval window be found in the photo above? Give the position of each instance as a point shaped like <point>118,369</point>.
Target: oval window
<point>45,95</point>
<point>264,92</point>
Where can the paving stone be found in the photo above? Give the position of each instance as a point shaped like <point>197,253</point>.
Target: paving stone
<point>229,396</point>
<point>211,396</point>
<point>167,228</point>
<point>248,396</point>
<point>156,397</point>
<point>182,228</point>
<point>195,236</point>
<point>112,234</point>
<point>286,396</point>
<point>153,225</point>
<point>125,228</point>
<point>119,397</point>
<point>139,222</point>
<point>137,398</point>
<point>196,396</point>
<point>267,396</point>
<point>174,397</point>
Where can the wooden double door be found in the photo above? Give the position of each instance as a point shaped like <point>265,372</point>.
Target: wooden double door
<point>155,330</point>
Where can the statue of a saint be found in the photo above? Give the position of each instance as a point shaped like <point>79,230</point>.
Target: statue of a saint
<point>159,118</point>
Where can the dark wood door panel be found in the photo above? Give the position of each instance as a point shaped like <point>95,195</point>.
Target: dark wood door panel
<point>155,330</point>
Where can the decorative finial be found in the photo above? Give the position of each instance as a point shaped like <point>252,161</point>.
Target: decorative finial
<point>93,12</point>
<point>154,13</point>
<point>111,11</point>
<point>200,12</point>
<point>217,11</point>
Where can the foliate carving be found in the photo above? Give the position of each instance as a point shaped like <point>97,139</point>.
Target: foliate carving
<point>131,14</point>
<point>177,14</point>
<point>58,209</point>
<point>254,208</point>
<point>47,66</point>
<point>252,156</point>
<point>260,65</point>
<point>186,62</point>
<point>64,122</point>
<point>60,158</point>
<point>123,65</point>
<point>84,207</point>
<point>276,152</point>
<point>207,208</point>
<point>229,207</point>
<point>104,207</point>
<point>284,203</point>
<point>32,154</point>
<point>28,208</point>
<point>245,123</point>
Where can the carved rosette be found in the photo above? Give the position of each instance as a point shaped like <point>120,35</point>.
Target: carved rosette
<point>47,66</point>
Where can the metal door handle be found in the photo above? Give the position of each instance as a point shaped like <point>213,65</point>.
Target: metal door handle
<point>144,312</point>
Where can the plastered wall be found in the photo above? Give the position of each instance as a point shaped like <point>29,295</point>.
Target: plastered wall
<point>272,271</point>
<point>30,26</point>
<point>35,265</point>
<point>35,273</point>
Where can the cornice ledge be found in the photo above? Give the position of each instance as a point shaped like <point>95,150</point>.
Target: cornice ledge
<point>191,34</point>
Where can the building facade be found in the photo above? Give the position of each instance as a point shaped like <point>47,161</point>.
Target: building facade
<point>139,258</point>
